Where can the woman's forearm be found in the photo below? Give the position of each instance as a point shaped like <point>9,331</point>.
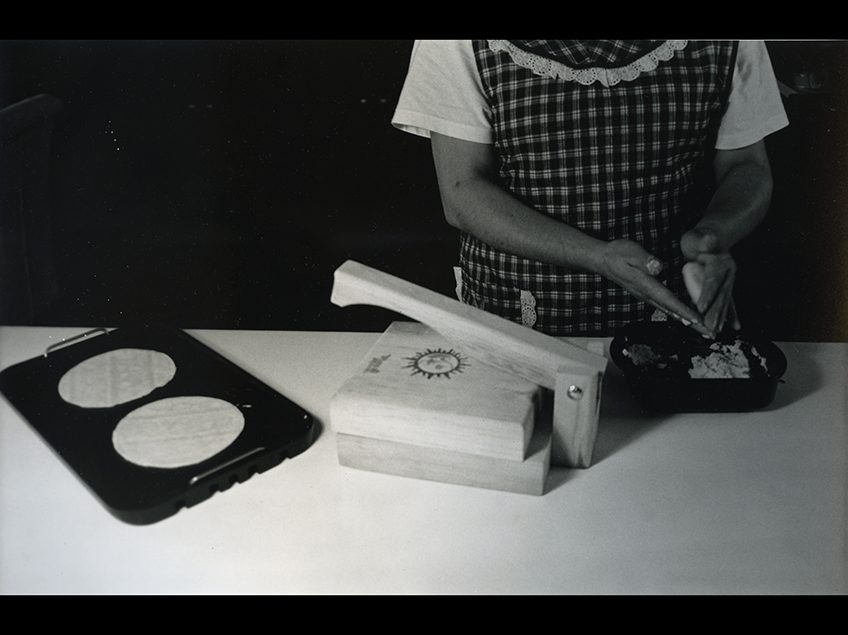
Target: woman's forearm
<point>475,203</point>
<point>742,196</point>
<point>741,200</point>
<point>483,209</point>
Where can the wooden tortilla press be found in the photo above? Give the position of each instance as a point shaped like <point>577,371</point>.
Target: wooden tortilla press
<point>573,373</point>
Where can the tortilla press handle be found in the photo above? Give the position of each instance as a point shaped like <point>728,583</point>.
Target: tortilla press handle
<point>493,340</point>
<point>490,338</point>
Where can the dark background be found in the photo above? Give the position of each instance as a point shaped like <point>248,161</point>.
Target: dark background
<point>218,184</point>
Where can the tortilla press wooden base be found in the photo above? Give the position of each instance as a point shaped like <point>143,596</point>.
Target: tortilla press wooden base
<point>460,468</point>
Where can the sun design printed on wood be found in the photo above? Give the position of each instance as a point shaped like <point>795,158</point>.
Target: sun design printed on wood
<point>437,363</point>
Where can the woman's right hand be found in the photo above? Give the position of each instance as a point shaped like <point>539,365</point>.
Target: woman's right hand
<point>627,264</point>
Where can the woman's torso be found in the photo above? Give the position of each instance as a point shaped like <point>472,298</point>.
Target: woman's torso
<point>615,161</point>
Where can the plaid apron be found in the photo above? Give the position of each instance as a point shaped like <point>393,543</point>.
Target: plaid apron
<point>617,161</point>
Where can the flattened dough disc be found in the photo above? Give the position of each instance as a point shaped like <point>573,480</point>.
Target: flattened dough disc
<point>177,431</point>
<point>116,377</point>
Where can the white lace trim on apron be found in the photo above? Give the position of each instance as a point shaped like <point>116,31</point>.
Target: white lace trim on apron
<point>606,76</point>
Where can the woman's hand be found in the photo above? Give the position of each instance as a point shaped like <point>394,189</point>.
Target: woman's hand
<point>627,264</point>
<point>703,245</point>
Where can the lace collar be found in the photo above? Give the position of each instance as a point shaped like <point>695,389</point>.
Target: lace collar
<point>608,75</point>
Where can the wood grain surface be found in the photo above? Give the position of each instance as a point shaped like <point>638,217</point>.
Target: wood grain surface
<point>414,387</point>
<point>460,468</point>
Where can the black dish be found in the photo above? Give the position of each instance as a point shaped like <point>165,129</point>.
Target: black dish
<point>671,389</point>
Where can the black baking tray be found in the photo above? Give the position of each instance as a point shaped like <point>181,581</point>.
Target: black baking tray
<point>672,390</point>
<point>274,427</point>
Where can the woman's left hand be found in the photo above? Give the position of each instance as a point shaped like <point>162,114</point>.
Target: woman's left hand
<point>703,245</point>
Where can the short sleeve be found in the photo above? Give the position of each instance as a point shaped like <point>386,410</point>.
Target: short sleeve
<point>754,109</point>
<point>443,93</point>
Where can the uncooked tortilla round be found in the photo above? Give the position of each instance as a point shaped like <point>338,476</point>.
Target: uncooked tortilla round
<point>177,431</point>
<point>116,377</point>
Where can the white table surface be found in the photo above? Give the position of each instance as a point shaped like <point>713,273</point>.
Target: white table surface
<point>730,503</point>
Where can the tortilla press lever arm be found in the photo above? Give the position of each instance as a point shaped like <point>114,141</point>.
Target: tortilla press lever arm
<point>574,373</point>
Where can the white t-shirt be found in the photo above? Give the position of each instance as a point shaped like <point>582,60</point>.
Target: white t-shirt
<point>443,94</point>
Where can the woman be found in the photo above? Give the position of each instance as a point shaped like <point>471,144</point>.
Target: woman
<point>571,169</point>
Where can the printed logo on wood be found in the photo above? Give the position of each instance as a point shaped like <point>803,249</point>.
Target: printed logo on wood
<point>437,363</point>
